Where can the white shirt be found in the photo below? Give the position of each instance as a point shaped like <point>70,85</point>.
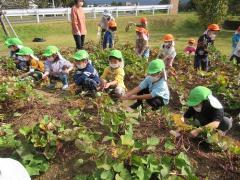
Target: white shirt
<point>11,169</point>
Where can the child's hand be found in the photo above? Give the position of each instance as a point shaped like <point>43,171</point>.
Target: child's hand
<point>66,71</point>
<point>107,85</point>
<point>132,97</point>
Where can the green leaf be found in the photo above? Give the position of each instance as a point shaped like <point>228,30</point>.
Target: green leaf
<point>107,175</point>
<point>182,160</point>
<point>107,138</point>
<point>104,166</point>
<point>127,140</point>
<point>152,141</point>
<point>25,130</point>
<point>118,167</point>
<point>169,145</point>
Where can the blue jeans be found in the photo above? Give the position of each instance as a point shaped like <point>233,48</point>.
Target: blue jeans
<point>63,78</point>
<point>201,62</point>
<point>108,39</point>
<point>146,53</point>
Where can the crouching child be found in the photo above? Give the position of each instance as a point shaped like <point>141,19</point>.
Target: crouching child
<point>86,77</point>
<point>206,111</point>
<point>113,75</point>
<point>56,67</point>
<point>34,66</point>
<point>153,88</point>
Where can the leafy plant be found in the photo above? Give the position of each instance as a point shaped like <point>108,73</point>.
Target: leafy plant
<point>44,136</point>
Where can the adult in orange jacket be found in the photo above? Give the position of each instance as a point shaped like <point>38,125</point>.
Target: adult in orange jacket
<point>78,23</point>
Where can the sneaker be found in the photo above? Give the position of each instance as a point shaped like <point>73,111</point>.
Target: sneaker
<point>65,87</point>
<point>136,105</point>
<point>51,86</point>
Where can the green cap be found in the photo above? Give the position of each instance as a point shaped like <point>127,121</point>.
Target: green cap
<point>197,95</point>
<point>13,42</point>
<point>81,55</point>
<point>50,50</point>
<point>116,53</point>
<point>155,66</point>
<point>25,51</point>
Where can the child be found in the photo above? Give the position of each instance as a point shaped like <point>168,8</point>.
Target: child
<point>204,42</point>
<point>56,67</point>
<point>14,45</point>
<point>236,54</point>
<point>236,38</point>
<point>153,88</point>
<point>113,76</point>
<point>236,46</point>
<point>206,111</point>
<point>34,66</point>
<point>110,34</point>
<point>190,49</point>
<point>86,76</point>
<point>103,24</point>
<point>142,47</point>
<point>167,50</point>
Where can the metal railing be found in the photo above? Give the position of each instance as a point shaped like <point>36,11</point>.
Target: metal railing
<point>94,10</point>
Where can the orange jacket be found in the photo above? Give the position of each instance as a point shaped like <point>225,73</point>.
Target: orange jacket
<point>78,21</point>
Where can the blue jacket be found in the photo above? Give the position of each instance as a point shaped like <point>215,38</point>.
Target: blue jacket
<point>235,40</point>
<point>82,74</point>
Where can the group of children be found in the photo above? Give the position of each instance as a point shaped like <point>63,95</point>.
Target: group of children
<point>203,106</point>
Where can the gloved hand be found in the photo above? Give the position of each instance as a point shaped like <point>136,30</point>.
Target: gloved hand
<point>98,33</point>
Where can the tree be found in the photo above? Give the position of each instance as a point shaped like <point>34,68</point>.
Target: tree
<point>234,7</point>
<point>211,11</point>
<point>14,4</point>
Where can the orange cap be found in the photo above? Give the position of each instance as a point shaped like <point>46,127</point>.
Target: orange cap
<point>191,40</point>
<point>168,37</point>
<point>214,27</point>
<point>112,24</point>
<point>143,20</point>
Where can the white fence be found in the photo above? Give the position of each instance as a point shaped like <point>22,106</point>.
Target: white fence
<point>93,10</point>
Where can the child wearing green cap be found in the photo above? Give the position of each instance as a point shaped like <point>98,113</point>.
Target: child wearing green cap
<point>14,45</point>
<point>113,75</point>
<point>56,67</point>
<point>34,66</point>
<point>206,111</point>
<point>153,88</point>
<point>86,76</point>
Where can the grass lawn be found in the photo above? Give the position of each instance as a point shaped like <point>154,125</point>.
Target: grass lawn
<point>58,33</point>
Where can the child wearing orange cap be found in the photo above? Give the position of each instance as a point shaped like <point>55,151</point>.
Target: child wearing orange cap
<point>142,47</point>
<point>190,49</point>
<point>167,50</point>
<point>108,39</point>
<point>204,42</point>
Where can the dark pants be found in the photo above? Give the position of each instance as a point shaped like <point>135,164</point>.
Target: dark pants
<point>155,102</point>
<point>89,85</point>
<point>201,62</point>
<point>235,57</point>
<point>21,65</point>
<point>226,124</point>
<point>79,40</point>
<point>108,39</point>
<point>63,78</point>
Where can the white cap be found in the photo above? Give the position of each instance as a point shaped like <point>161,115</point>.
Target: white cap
<point>11,169</point>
